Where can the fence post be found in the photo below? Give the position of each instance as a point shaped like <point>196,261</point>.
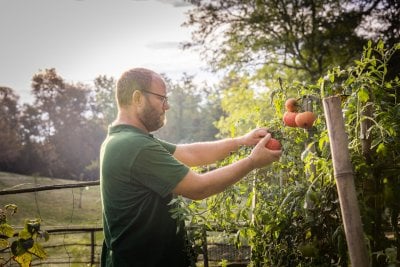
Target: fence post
<point>92,239</point>
<point>205,249</point>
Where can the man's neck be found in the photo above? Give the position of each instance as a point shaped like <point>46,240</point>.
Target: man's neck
<point>127,119</point>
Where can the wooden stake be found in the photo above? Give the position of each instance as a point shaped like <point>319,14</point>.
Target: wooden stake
<point>343,172</point>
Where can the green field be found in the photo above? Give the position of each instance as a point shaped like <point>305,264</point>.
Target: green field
<point>62,208</point>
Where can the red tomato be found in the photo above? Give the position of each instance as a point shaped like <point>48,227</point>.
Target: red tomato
<point>289,118</point>
<point>305,119</point>
<point>291,104</point>
<point>273,144</point>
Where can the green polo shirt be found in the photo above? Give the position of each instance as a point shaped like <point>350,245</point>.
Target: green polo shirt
<point>137,174</point>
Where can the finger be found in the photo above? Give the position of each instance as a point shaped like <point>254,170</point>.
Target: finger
<point>262,132</point>
<point>276,153</point>
<point>265,139</point>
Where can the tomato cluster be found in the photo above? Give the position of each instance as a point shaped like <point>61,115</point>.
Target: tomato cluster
<point>293,118</point>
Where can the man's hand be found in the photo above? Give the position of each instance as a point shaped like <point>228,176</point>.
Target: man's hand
<point>253,137</point>
<point>262,156</point>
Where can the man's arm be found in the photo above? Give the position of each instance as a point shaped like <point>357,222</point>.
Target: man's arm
<point>199,186</point>
<point>203,153</point>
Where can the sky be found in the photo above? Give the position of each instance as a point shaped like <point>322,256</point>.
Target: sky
<point>83,39</point>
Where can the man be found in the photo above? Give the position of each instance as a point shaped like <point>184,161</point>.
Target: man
<point>139,175</point>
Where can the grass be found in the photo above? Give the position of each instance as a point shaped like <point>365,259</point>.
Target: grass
<point>76,206</point>
<point>65,208</point>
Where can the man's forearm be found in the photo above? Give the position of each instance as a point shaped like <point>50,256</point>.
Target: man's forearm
<point>202,153</point>
<point>221,178</point>
<point>199,186</point>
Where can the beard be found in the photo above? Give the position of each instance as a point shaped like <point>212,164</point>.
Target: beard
<point>152,119</point>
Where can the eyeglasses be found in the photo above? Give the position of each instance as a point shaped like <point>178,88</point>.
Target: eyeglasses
<point>164,98</point>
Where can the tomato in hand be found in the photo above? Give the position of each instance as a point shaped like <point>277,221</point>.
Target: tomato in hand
<point>273,144</point>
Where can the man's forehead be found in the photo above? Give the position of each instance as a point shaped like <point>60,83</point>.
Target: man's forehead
<point>158,81</point>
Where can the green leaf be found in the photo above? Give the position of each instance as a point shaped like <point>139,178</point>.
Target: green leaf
<point>331,77</point>
<point>24,260</point>
<point>38,251</point>
<point>369,52</point>
<point>4,243</point>
<point>363,95</point>
<point>381,149</point>
<point>17,249</point>
<point>27,244</point>
<point>6,230</point>
<point>24,234</point>
<point>12,208</point>
<point>33,226</point>
<point>380,45</point>
<point>323,140</point>
<point>373,63</point>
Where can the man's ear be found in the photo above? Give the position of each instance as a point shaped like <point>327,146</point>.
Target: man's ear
<point>137,98</point>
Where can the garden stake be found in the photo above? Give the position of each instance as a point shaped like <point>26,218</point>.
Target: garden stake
<point>343,172</point>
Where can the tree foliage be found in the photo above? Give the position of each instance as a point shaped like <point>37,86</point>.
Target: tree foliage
<point>242,105</point>
<point>58,134</point>
<point>307,36</point>
<point>192,112</point>
<point>104,105</point>
<point>66,134</point>
<point>10,143</point>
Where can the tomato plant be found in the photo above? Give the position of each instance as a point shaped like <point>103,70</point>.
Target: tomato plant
<point>371,106</point>
<point>23,244</point>
<point>289,212</point>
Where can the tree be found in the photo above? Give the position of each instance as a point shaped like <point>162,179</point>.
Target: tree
<point>191,115</point>
<point>306,36</point>
<point>77,137</point>
<point>104,105</point>
<point>10,140</point>
<point>243,106</point>
<point>65,134</point>
<point>31,160</point>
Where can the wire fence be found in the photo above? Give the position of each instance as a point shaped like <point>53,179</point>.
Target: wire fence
<point>84,248</point>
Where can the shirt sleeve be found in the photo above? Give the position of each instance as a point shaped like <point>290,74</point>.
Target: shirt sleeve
<point>158,170</point>
<point>168,146</point>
